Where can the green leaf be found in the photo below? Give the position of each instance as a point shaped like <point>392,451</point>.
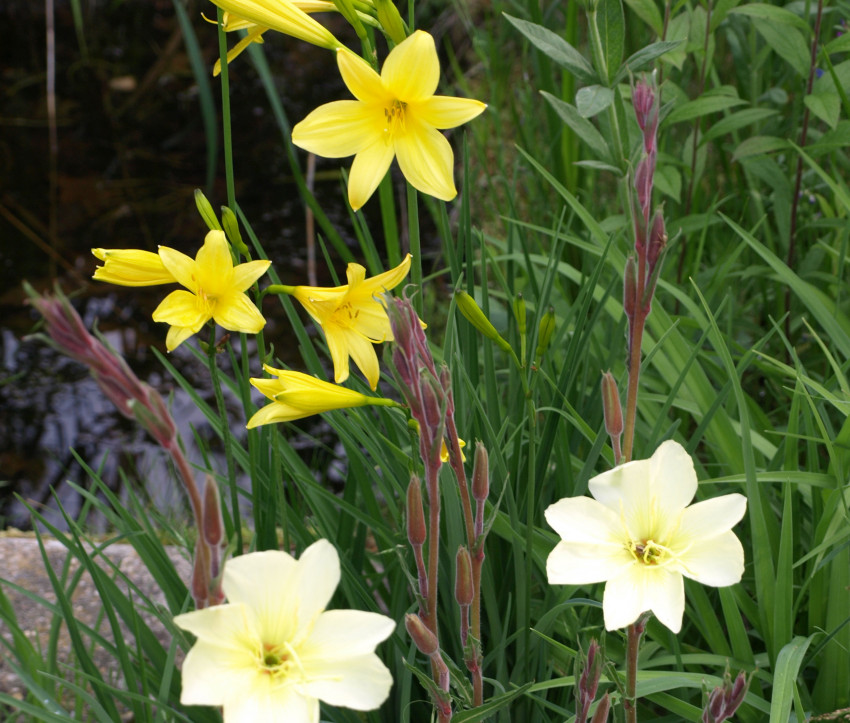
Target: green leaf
<point>841,44</point>
<point>647,10</point>
<point>668,180</point>
<point>556,48</point>
<point>773,14</point>
<point>735,121</point>
<point>612,32</point>
<point>832,140</point>
<point>826,106</point>
<point>582,127</point>
<point>787,42</point>
<point>593,99</point>
<point>643,57</point>
<point>784,679</point>
<point>702,106</point>
<point>759,145</point>
<point>489,707</point>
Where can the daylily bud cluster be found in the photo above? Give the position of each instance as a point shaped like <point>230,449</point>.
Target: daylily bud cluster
<point>725,699</point>
<point>588,683</point>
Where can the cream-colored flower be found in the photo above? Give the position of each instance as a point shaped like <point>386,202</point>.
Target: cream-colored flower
<point>296,395</point>
<point>353,317</point>
<point>273,651</point>
<point>640,536</point>
<point>396,114</point>
<point>216,290</point>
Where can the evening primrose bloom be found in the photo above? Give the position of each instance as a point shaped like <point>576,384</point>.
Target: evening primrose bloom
<point>395,114</point>
<point>273,651</point>
<point>640,537</point>
<point>131,267</point>
<point>295,395</point>
<point>215,290</point>
<point>353,317</point>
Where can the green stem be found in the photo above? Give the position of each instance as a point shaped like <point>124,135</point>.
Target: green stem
<point>226,441</point>
<point>415,247</point>
<point>225,113</point>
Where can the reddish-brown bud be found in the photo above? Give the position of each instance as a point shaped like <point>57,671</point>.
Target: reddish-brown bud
<point>213,524</point>
<point>611,407</point>
<point>657,240</point>
<point>464,589</point>
<point>422,637</point>
<point>600,715</point>
<point>416,530</point>
<point>481,473</point>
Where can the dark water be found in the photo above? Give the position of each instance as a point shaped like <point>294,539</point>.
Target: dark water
<point>131,150</point>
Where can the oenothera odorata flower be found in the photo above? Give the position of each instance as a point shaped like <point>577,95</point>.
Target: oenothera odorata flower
<point>640,537</point>
<point>395,114</point>
<point>273,651</point>
<point>295,395</point>
<point>353,317</point>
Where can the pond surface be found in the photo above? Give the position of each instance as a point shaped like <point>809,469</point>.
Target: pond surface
<point>131,149</point>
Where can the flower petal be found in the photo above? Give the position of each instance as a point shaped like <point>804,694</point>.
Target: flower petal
<point>337,340</point>
<point>362,351</point>
<point>624,598</point>
<point>214,264</point>
<point>443,111</point>
<point>359,77</point>
<point>411,71</point>
<point>244,275</point>
<point>268,702</point>
<point>273,413</point>
<point>236,312</point>
<point>665,596</point>
<point>368,170</point>
<point>177,335</point>
<point>316,578</point>
<point>181,308</point>
<point>718,562</point>
<point>361,683</point>
<point>426,159</point>
<point>339,129</point>
<point>284,16</point>
<point>584,520</point>
<point>180,266</point>
<point>346,634</point>
<point>710,518</point>
<point>581,564</point>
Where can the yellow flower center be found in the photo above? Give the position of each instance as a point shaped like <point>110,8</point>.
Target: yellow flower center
<point>649,552</point>
<point>394,119</point>
<point>345,315</point>
<point>279,661</point>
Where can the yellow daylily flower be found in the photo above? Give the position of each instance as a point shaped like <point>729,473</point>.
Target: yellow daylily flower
<point>131,267</point>
<point>285,16</point>
<point>231,22</point>
<point>444,451</point>
<point>273,651</point>
<point>641,536</point>
<point>396,114</point>
<point>296,395</point>
<point>353,317</point>
<point>216,290</point>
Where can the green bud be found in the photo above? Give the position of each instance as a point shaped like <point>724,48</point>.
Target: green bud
<point>206,211</point>
<point>473,314</point>
<point>231,228</point>
<point>390,20</point>
<point>544,333</point>
<point>519,313</point>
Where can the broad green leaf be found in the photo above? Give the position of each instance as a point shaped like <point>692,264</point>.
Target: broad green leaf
<point>612,31</point>
<point>787,42</point>
<point>643,57</point>
<point>556,48</point>
<point>593,99</point>
<point>759,145</point>
<point>826,106</point>
<point>582,127</point>
<point>784,679</point>
<point>832,140</point>
<point>647,10</point>
<point>734,121</point>
<point>772,13</point>
<point>841,44</point>
<point>668,180</point>
<point>699,107</point>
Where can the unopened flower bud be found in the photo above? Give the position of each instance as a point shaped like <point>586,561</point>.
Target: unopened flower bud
<point>201,574</point>
<point>589,680</point>
<point>602,710</point>
<point>475,316</point>
<point>231,228</point>
<point>725,699</point>
<point>432,394</point>
<point>422,637</point>
<point>464,590</point>
<point>544,333</point>
<point>390,20</point>
<point>481,473</point>
<point>611,408</point>
<point>213,525</point>
<point>520,313</point>
<point>206,210</point>
<point>644,178</point>
<point>416,530</point>
<point>657,240</point>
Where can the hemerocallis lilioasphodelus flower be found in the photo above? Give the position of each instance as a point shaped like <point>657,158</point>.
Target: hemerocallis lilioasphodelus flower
<point>395,114</point>
<point>286,20</point>
<point>131,267</point>
<point>273,651</point>
<point>295,395</point>
<point>352,317</point>
<point>640,537</point>
<point>215,289</point>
